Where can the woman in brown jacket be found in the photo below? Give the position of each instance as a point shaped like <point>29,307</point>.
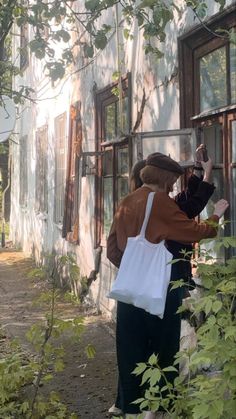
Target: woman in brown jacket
<point>139,333</point>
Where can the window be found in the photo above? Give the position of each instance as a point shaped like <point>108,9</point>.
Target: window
<point>71,211</point>
<point>41,188</point>
<point>180,145</point>
<point>60,167</point>
<point>23,171</point>
<point>113,127</point>
<point>232,130</point>
<point>208,101</point>
<point>215,68</point>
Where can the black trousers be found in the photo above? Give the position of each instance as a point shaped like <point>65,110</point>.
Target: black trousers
<point>138,335</point>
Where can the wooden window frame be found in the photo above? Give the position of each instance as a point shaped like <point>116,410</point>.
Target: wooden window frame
<point>24,53</point>
<point>41,192</point>
<point>192,46</point>
<point>23,198</point>
<point>189,46</point>
<point>102,99</point>
<point>60,188</point>
<point>71,225</point>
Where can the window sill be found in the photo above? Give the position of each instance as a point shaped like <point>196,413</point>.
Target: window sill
<point>118,140</point>
<point>212,112</point>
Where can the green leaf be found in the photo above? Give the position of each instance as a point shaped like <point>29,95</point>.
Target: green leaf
<point>146,376</point>
<point>232,36</point>
<point>47,377</point>
<point>218,406</point>
<point>146,3</point>
<point>155,377</point>
<point>138,401</point>
<point>143,405</point>
<point>152,359</point>
<point>208,307</point>
<point>222,4</point>
<point>116,75</point>
<point>59,365</point>
<point>24,407</point>
<point>229,331</point>
<point>88,51</point>
<point>126,33</point>
<point>100,41</point>
<point>170,369</point>
<point>141,366</point>
<point>73,416</point>
<point>177,284</point>
<point>92,5</point>
<point>90,351</point>
<point>64,35</point>
<point>216,306</point>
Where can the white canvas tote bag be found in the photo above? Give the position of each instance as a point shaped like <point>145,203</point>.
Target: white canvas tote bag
<point>144,274</point>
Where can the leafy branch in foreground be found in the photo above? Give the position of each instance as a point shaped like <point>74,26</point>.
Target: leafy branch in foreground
<point>61,31</point>
<point>208,390</point>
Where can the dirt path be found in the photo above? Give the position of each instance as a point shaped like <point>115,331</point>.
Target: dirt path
<point>87,386</point>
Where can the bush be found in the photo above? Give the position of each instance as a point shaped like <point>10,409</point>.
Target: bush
<point>209,388</point>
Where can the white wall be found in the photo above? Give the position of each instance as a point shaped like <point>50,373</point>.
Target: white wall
<point>37,232</point>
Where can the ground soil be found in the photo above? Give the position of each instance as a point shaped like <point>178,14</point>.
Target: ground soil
<point>87,386</point>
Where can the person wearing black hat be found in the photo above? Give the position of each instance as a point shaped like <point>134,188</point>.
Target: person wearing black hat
<point>138,333</point>
<point>192,201</point>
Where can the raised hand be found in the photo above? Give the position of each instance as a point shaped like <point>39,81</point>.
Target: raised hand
<point>201,154</point>
<point>220,207</point>
<point>207,167</point>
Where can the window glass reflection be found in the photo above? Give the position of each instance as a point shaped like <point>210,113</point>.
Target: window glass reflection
<point>110,122</point>
<point>212,137</point>
<point>108,203</point>
<point>123,188</point>
<point>123,161</point>
<point>213,86</point>
<point>233,141</point>
<point>233,218</point>
<point>217,179</point>
<point>125,113</point>
<point>107,163</point>
<point>178,147</point>
<point>232,56</point>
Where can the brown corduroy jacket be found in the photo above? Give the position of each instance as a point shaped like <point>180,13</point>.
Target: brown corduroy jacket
<point>166,222</point>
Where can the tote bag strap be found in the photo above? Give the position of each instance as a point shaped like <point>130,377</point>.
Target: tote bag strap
<point>147,213</point>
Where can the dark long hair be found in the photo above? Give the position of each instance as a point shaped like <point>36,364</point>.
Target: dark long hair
<point>135,181</point>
